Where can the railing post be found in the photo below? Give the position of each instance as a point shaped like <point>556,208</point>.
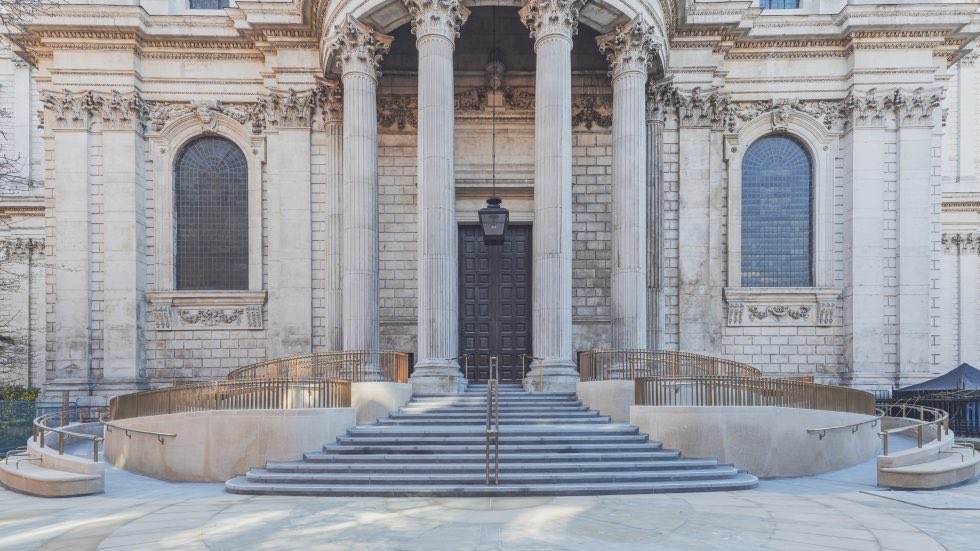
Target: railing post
<point>919,433</point>
<point>61,443</point>
<point>885,442</point>
<point>64,407</point>
<point>95,450</point>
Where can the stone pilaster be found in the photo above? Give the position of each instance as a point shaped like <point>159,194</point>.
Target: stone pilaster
<point>966,124</point>
<point>122,120</point>
<point>864,203</point>
<point>552,24</point>
<point>357,49</point>
<point>288,117</point>
<point>914,116</point>
<point>331,108</point>
<point>67,118</point>
<point>629,50</point>
<point>657,103</point>
<point>436,25</point>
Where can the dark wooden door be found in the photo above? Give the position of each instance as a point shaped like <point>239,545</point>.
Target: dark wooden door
<point>495,301</point>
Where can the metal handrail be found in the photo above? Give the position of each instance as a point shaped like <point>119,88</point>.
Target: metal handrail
<point>853,426</point>
<point>236,394</point>
<point>750,391</point>
<point>493,421</point>
<point>39,429</point>
<point>939,418</point>
<point>356,365</point>
<point>449,370</point>
<point>128,431</point>
<point>524,370</point>
<point>602,365</point>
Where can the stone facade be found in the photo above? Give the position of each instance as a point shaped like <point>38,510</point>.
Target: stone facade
<point>619,137</point>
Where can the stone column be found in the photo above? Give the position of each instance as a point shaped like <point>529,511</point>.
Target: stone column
<point>629,50</point>
<point>357,50</point>
<point>436,25</point>
<point>966,124</point>
<point>289,117</point>
<point>552,24</point>
<point>332,107</point>
<point>124,240</point>
<point>969,328</point>
<point>914,115</point>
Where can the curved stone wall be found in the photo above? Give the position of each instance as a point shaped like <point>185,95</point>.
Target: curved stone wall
<point>214,446</point>
<point>765,441</point>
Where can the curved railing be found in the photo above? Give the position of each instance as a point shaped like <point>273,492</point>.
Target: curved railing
<point>602,365</point>
<point>240,394</point>
<point>750,391</point>
<point>354,365</point>
<point>928,419</point>
<point>42,426</point>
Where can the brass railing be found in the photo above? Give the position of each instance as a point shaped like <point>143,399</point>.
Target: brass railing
<point>493,422</point>
<point>928,418</point>
<point>602,365</point>
<point>750,391</point>
<point>238,394</point>
<point>355,365</point>
<point>42,426</point>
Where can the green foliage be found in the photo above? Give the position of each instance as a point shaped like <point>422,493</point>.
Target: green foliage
<point>17,392</point>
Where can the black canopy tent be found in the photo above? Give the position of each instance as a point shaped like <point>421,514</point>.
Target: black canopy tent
<point>964,377</point>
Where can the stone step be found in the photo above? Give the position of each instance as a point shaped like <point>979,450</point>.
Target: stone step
<point>507,439</point>
<point>478,467</point>
<point>515,430</point>
<point>523,401</point>
<point>504,448</point>
<point>483,415</point>
<point>656,455</point>
<point>510,395</point>
<point>741,481</point>
<point>421,410</point>
<point>412,420</point>
<point>264,476</point>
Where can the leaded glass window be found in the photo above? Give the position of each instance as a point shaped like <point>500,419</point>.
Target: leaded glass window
<point>211,215</point>
<point>208,4</point>
<point>777,206</point>
<point>779,4</point>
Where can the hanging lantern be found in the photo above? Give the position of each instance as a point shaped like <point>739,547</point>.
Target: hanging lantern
<point>493,220</point>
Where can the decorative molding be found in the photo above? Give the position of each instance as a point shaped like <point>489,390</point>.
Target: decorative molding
<point>438,17</point>
<point>865,109</point>
<point>115,110</point>
<point>759,307</point>
<point>961,206</point>
<point>21,247</point>
<point>247,114</point>
<point>832,115</point>
<point>630,48</point>
<point>398,111</point>
<point>961,242</point>
<point>356,47</point>
<point>330,100</point>
<point>291,109</point>
<point>592,110</point>
<point>206,310</point>
<point>471,99</point>
<point>695,109</point>
<point>660,101</point>
<point>519,98</point>
<point>544,18</point>
<point>915,107</point>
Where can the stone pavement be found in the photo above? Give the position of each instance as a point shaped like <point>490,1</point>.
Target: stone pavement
<point>826,512</point>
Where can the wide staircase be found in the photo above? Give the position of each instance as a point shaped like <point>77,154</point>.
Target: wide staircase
<point>550,444</point>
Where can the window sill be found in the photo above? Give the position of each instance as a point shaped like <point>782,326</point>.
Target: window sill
<point>206,310</point>
<point>782,306</point>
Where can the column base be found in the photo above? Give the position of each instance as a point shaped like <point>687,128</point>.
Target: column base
<point>431,377</point>
<point>551,376</point>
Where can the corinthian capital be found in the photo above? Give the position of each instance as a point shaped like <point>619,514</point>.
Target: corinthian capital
<point>358,48</point>
<point>915,108</point>
<point>629,48</point>
<point>438,17</point>
<point>549,17</point>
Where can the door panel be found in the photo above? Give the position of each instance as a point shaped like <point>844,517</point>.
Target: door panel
<point>495,297</point>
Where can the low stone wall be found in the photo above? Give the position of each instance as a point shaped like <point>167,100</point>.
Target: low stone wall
<point>764,441</point>
<point>612,398</point>
<point>214,446</point>
<point>374,400</point>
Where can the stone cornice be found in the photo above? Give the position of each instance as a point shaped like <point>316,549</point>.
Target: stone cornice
<point>631,47</point>
<point>356,47</point>
<point>545,18</point>
<point>437,17</point>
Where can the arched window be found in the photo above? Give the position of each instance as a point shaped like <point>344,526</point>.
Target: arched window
<point>211,216</point>
<point>777,207</point>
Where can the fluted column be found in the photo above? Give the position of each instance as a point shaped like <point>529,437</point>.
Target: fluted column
<point>552,24</point>
<point>436,25</point>
<point>629,50</point>
<point>331,106</point>
<point>357,49</point>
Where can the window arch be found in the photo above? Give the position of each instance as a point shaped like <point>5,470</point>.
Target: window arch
<point>777,214</point>
<point>211,216</point>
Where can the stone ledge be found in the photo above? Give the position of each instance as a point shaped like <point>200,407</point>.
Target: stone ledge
<point>206,310</point>
<point>782,306</point>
